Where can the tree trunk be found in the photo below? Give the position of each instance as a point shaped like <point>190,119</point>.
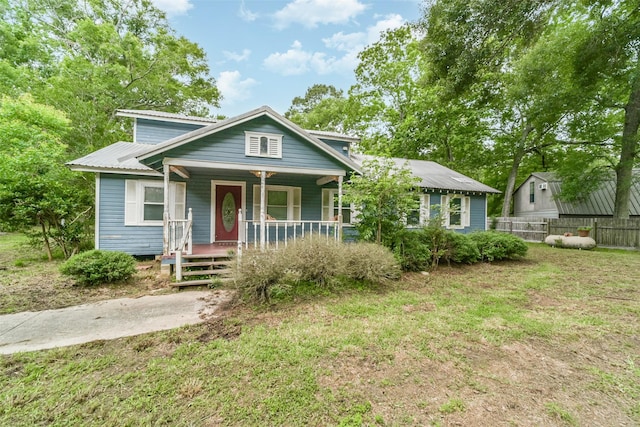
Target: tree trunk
<point>624,168</point>
<point>513,175</point>
<point>47,244</point>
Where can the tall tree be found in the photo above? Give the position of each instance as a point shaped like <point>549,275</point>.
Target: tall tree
<point>102,55</point>
<point>36,189</point>
<point>607,67</point>
<point>323,107</point>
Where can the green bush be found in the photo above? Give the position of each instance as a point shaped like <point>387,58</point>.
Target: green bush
<point>97,267</point>
<point>495,246</point>
<point>369,263</point>
<point>314,261</point>
<point>461,249</point>
<point>412,248</point>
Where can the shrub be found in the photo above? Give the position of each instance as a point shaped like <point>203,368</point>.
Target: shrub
<point>96,267</point>
<point>369,262</point>
<point>413,250</point>
<point>312,261</point>
<point>496,246</point>
<point>461,249</point>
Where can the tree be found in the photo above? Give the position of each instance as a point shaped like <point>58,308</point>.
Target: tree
<point>607,68</point>
<point>384,197</point>
<point>98,56</point>
<point>36,189</point>
<point>323,107</point>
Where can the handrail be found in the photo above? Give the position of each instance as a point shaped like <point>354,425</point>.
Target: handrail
<point>284,230</point>
<point>180,234</point>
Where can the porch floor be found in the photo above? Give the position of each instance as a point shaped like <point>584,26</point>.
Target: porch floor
<point>208,250</point>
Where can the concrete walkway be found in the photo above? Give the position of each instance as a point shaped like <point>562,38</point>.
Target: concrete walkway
<point>106,320</point>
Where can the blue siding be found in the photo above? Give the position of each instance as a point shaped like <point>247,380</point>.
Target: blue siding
<point>113,234</point>
<point>155,131</point>
<point>339,146</point>
<point>147,240</point>
<point>229,146</point>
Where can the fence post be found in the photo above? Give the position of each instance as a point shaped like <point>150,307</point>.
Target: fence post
<point>595,230</point>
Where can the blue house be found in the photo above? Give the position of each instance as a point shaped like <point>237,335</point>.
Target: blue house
<point>187,182</point>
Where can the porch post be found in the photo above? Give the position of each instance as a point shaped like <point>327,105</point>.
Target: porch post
<point>165,215</point>
<point>340,208</point>
<point>263,208</point>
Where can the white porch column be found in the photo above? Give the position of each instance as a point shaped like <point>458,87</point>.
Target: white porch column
<point>263,208</point>
<point>340,208</point>
<point>165,216</point>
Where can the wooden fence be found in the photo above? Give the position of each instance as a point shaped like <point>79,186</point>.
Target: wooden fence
<point>609,232</point>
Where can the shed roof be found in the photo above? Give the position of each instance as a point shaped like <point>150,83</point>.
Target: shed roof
<point>434,176</point>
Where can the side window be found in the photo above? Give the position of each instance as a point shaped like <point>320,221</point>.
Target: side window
<point>331,209</point>
<point>420,216</point>
<point>144,201</point>
<point>532,192</point>
<point>457,212</point>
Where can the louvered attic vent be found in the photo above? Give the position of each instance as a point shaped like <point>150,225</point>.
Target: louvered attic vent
<point>263,145</point>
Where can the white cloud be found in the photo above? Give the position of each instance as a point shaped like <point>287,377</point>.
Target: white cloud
<point>233,88</point>
<point>294,61</point>
<point>245,14</point>
<point>173,7</point>
<point>297,61</point>
<point>235,56</point>
<point>310,13</point>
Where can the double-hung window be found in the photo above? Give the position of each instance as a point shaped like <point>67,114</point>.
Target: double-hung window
<point>331,209</point>
<point>282,203</point>
<point>456,211</point>
<point>532,192</point>
<point>419,217</point>
<point>144,201</point>
<point>263,145</point>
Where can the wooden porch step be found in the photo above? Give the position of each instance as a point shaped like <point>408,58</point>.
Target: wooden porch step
<point>214,272</point>
<point>203,282</point>
<point>205,263</point>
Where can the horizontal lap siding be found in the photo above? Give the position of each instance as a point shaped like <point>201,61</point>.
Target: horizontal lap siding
<point>113,234</point>
<point>155,132</point>
<point>229,146</point>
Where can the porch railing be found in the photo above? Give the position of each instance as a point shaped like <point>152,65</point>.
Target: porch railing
<point>280,232</point>
<point>180,234</point>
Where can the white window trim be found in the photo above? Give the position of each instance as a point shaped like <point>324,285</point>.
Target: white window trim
<point>333,193</point>
<point>134,201</point>
<point>291,211</point>
<point>424,211</point>
<point>252,144</point>
<point>465,211</point>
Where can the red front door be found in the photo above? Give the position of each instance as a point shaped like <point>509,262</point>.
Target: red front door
<point>228,201</point>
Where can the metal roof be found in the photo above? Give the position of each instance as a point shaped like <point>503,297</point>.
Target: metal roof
<point>434,176</point>
<point>333,135</point>
<point>151,114</point>
<point>601,202</point>
<point>117,157</point>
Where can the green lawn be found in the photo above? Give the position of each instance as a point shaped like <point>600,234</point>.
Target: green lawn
<point>550,340</point>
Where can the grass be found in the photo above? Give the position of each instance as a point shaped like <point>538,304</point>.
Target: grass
<point>29,283</point>
<point>550,340</point>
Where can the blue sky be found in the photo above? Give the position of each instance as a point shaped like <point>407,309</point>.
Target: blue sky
<point>268,52</point>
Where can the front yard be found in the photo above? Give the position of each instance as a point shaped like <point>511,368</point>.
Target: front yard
<point>550,340</point>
